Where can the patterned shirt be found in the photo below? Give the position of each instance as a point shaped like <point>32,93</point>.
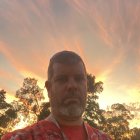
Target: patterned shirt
<point>50,130</point>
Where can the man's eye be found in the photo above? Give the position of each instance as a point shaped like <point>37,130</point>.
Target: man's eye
<point>61,79</point>
<point>79,78</point>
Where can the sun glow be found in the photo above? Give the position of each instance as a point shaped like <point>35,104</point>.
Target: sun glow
<point>41,81</point>
<point>21,124</point>
<point>23,121</point>
<point>10,98</point>
<point>134,123</point>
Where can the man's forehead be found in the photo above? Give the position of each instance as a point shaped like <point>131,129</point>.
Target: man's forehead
<point>57,67</point>
<point>60,65</point>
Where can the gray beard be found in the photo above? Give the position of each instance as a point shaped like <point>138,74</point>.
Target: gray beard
<point>72,110</point>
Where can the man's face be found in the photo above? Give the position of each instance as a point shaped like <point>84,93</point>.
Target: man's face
<point>68,90</point>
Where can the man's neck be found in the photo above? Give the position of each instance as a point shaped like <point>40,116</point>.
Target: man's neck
<point>69,121</point>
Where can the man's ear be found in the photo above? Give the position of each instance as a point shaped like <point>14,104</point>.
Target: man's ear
<point>48,87</point>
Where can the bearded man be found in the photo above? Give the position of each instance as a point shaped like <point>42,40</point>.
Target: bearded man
<point>67,92</point>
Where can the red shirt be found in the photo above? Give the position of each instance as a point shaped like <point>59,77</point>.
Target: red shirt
<point>74,132</point>
<point>50,130</point>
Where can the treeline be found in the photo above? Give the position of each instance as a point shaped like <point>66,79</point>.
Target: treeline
<point>30,107</point>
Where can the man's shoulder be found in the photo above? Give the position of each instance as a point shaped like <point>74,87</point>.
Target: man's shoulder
<point>30,132</point>
<point>96,133</point>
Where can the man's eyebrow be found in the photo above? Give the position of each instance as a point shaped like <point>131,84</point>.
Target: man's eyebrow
<point>59,76</point>
<point>80,74</point>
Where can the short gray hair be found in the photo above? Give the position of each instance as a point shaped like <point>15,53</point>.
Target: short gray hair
<point>63,57</point>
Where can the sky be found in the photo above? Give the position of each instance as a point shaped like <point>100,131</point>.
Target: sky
<point>106,34</point>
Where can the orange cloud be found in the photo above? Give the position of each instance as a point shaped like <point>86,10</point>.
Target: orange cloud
<point>8,52</point>
<point>78,5</point>
<point>23,17</point>
<point>95,17</point>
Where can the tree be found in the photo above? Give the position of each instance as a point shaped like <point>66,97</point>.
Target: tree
<point>30,108</point>
<point>30,94</point>
<point>117,124</point>
<point>7,114</point>
<point>93,114</point>
<point>135,133</point>
<point>30,97</point>
<point>45,111</point>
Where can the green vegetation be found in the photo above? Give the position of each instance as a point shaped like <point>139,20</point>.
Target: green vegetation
<point>30,108</point>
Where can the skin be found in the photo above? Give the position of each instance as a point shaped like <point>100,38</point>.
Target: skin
<point>67,92</point>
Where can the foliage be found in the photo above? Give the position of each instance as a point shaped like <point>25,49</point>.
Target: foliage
<point>26,110</point>
<point>134,108</point>
<point>117,122</point>
<point>7,114</point>
<point>29,104</point>
<point>30,94</point>
<point>30,108</point>
<point>44,111</point>
<point>93,114</point>
<point>135,133</point>
<point>3,103</point>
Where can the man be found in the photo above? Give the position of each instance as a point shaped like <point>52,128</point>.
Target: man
<point>67,92</point>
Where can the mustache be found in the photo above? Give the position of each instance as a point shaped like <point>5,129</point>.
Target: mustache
<point>72,95</point>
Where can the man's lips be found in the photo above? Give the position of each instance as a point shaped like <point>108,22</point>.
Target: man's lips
<point>71,100</point>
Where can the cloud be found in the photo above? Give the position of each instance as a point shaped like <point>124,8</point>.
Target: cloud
<point>104,34</point>
<point>11,55</point>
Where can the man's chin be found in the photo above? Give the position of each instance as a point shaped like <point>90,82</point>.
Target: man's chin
<point>72,110</point>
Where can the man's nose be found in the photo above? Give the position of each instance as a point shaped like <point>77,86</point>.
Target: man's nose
<point>72,84</point>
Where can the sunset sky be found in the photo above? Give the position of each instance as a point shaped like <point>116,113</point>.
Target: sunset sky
<point>105,33</point>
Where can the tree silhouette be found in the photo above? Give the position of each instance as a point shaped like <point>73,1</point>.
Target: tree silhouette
<point>93,114</point>
<point>45,111</point>
<point>30,94</point>
<point>30,108</point>
<point>30,97</point>
<point>135,132</point>
<point>117,122</point>
<point>7,114</point>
